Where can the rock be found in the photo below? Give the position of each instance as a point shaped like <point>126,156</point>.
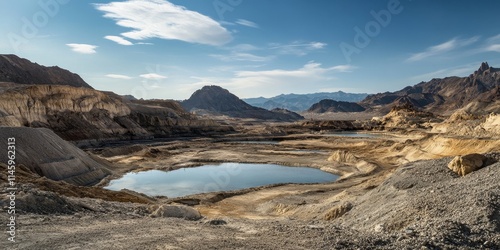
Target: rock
<point>463,165</point>
<point>217,222</point>
<point>379,228</point>
<point>338,211</point>
<point>184,212</point>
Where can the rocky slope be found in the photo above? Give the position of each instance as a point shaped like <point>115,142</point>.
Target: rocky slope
<point>216,100</point>
<point>445,95</point>
<point>328,105</point>
<point>19,70</point>
<point>46,154</point>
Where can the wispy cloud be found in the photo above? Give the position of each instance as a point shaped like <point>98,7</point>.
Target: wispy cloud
<point>239,56</point>
<point>119,40</point>
<point>153,76</point>
<point>164,20</point>
<point>82,48</point>
<point>442,48</point>
<point>493,44</point>
<point>116,76</point>
<point>247,23</point>
<point>250,83</point>
<point>297,48</point>
<point>462,70</point>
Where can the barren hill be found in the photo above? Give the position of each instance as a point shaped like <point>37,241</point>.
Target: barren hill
<point>328,105</point>
<point>19,70</point>
<point>445,95</point>
<point>217,100</point>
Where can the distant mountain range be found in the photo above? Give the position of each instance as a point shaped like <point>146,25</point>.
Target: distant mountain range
<point>219,101</point>
<point>22,71</point>
<point>302,102</point>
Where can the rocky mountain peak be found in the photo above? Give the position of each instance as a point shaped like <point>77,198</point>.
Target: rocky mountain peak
<point>216,99</point>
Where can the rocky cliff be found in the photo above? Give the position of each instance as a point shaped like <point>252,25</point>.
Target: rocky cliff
<point>82,114</point>
<point>216,100</point>
<point>19,70</point>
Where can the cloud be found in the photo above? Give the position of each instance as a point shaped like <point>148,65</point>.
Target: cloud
<point>494,47</point>
<point>153,76</point>
<point>239,56</point>
<point>317,45</point>
<point>460,71</point>
<point>164,20</point>
<point>116,76</point>
<point>442,48</point>
<point>82,48</point>
<point>251,83</point>
<point>297,48</point>
<point>492,44</point>
<point>119,40</point>
<point>311,69</point>
<point>247,23</point>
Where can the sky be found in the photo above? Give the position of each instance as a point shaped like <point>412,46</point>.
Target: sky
<point>159,49</point>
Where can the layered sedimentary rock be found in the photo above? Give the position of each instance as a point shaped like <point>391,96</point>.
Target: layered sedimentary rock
<point>85,114</point>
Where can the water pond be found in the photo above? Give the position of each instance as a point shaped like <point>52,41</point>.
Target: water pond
<point>212,178</point>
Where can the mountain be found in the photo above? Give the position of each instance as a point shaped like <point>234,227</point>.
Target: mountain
<point>19,70</point>
<point>216,100</point>
<point>328,105</point>
<point>445,95</point>
<point>86,115</point>
<point>301,102</point>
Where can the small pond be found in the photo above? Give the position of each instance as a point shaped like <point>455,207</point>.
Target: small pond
<point>212,178</point>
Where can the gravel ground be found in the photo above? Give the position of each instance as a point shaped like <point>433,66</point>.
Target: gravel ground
<point>421,206</point>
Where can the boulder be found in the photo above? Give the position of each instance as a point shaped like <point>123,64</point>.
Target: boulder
<point>463,165</point>
<point>184,212</point>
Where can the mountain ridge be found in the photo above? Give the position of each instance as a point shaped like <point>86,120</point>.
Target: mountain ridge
<point>22,71</point>
<point>444,95</point>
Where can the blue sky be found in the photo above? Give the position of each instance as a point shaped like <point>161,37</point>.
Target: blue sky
<point>168,49</point>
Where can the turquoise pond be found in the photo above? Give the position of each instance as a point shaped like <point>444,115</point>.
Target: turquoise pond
<point>213,178</point>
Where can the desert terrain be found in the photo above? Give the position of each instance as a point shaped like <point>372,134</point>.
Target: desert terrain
<point>410,176</point>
